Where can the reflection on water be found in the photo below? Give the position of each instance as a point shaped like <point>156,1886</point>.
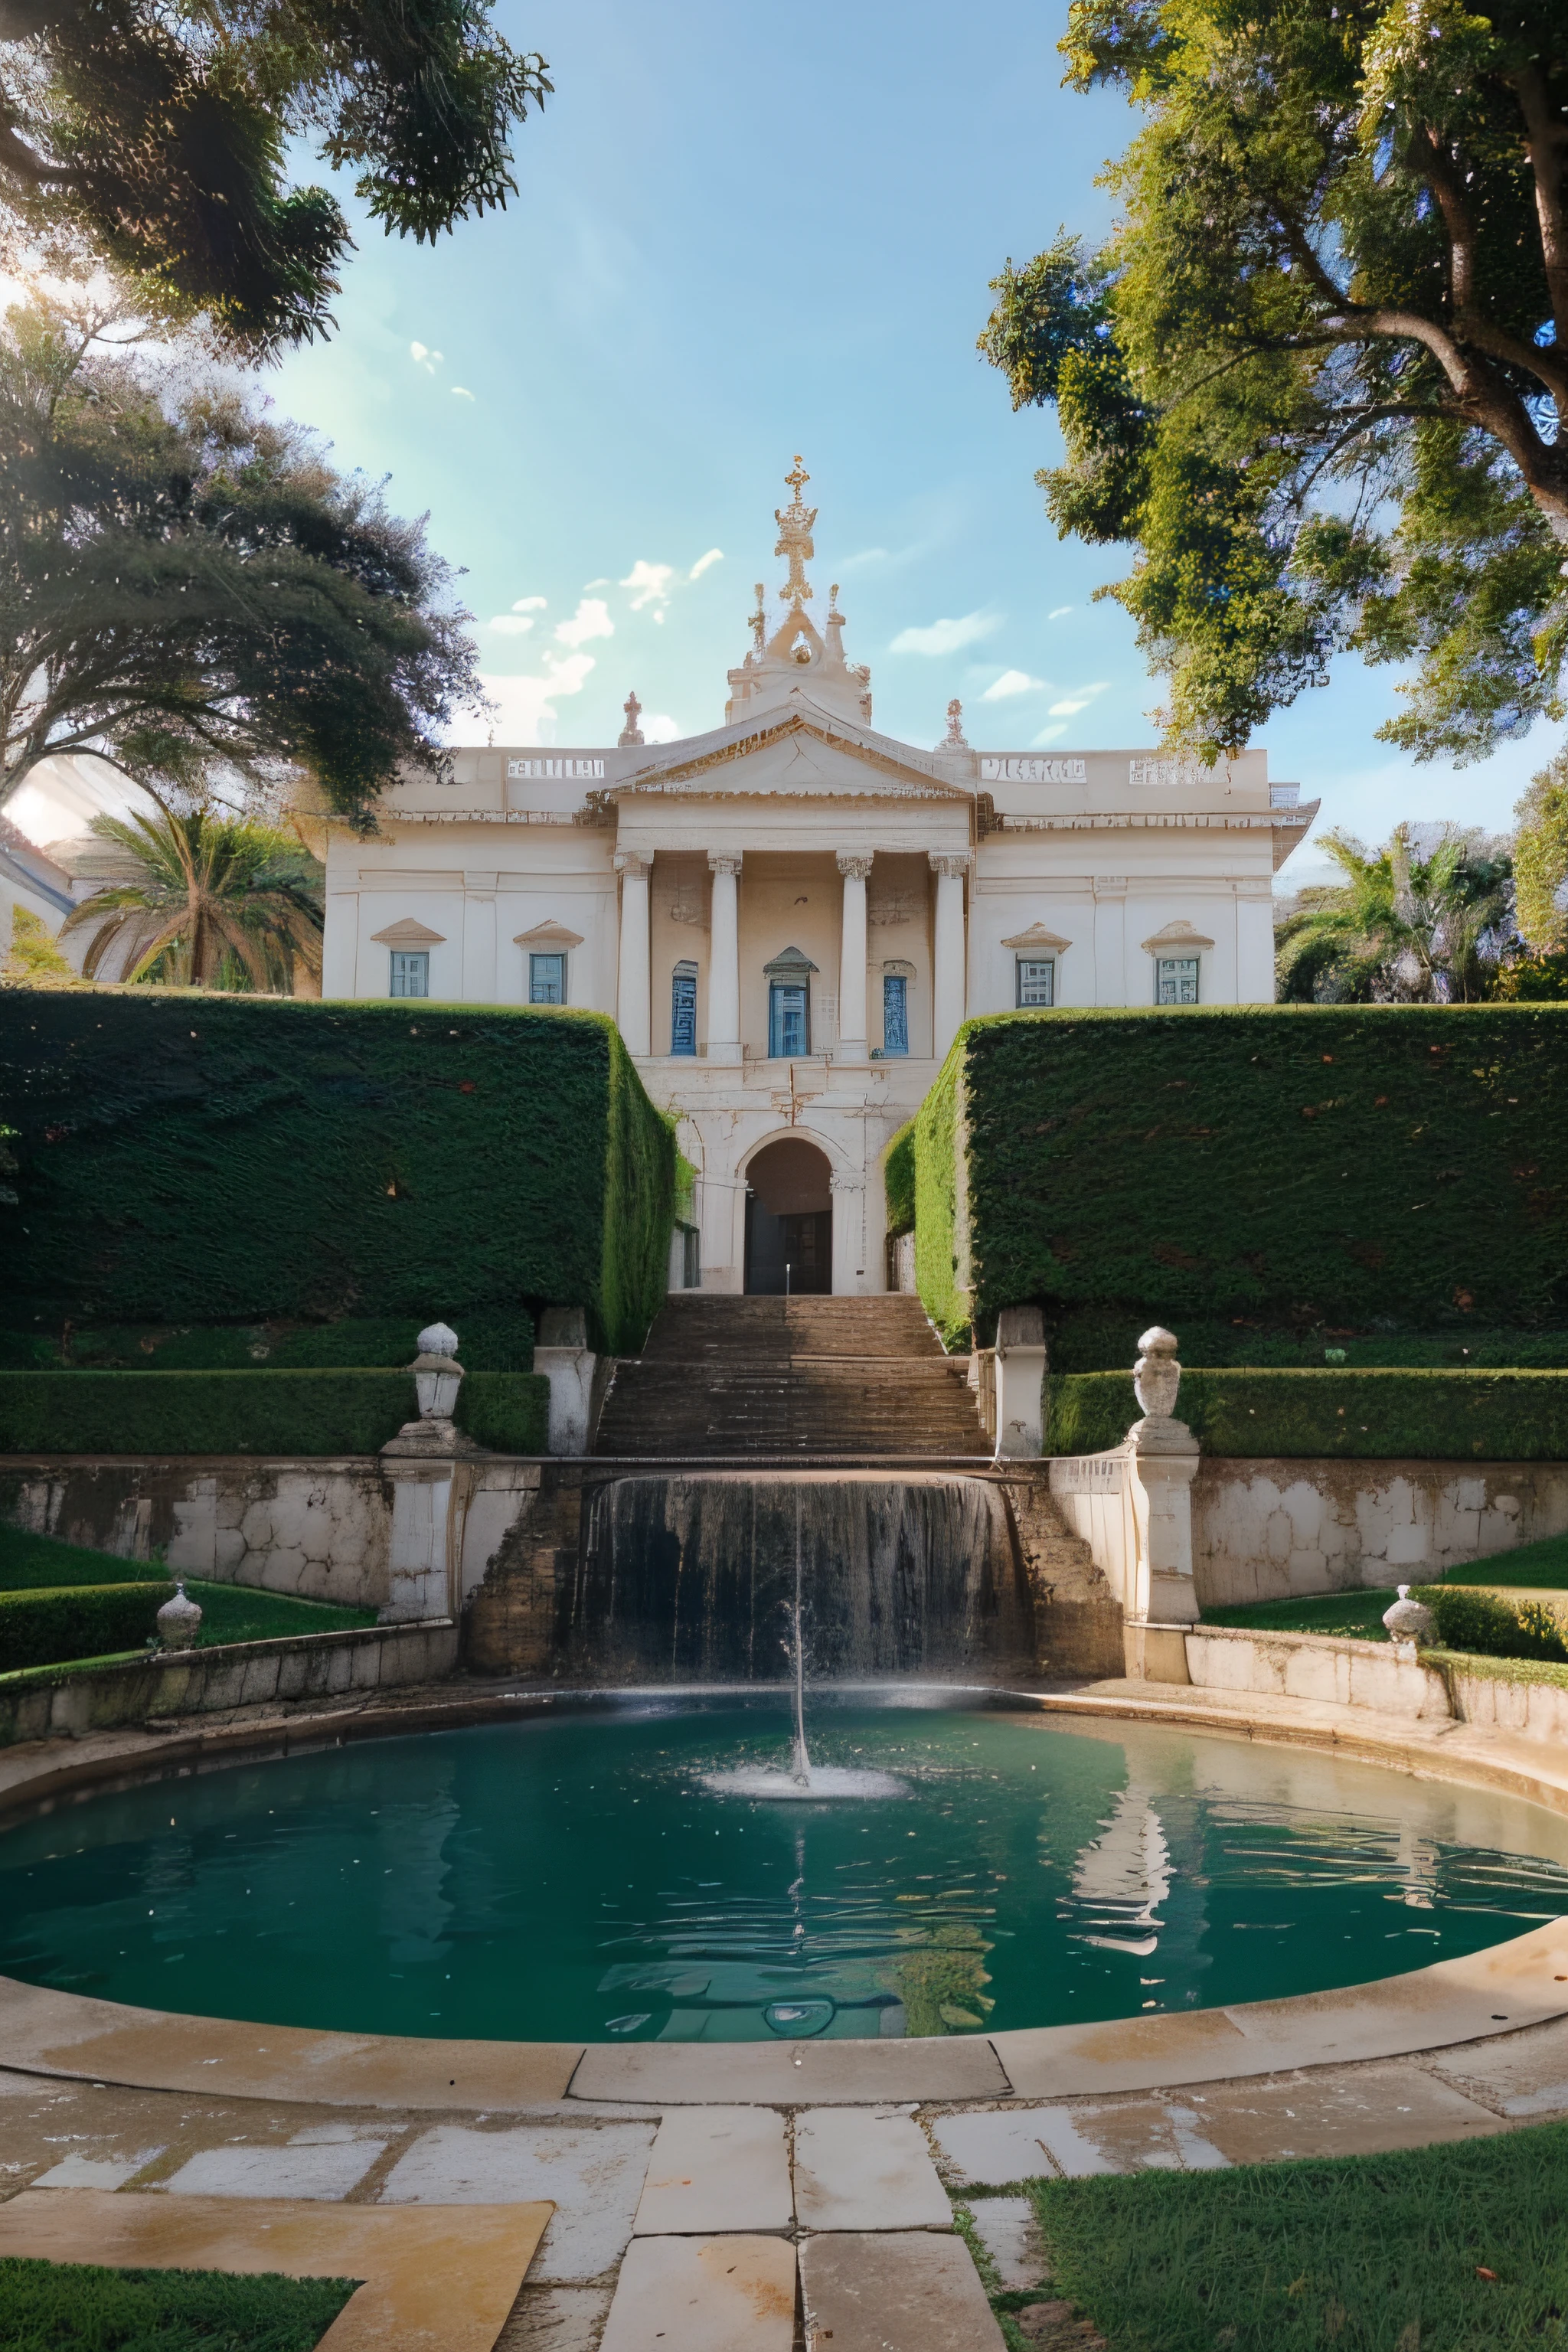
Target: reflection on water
<point>573,1878</point>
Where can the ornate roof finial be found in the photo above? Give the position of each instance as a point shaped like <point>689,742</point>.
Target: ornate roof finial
<point>794,522</point>
<point>760,623</point>
<point>833,612</point>
<point>631,733</point>
<point>955,739</point>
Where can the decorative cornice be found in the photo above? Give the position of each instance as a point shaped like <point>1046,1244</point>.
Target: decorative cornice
<point>410,934</point>
<point>725,861</point>
<point>1037,936</point>
<point>950,863</point>
<point>1179,934</point>
<point>853,865</point>
<point>631,861</point>
<point>822,728</point>
<point>548,935</point>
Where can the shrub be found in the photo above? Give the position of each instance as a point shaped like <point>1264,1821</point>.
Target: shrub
<point>199,1158</point>
<point>1427,1416</point>
<point>1468,1619</point>
<point>1292,1164</point>
<point>76,1621</point>
<point>307,1414</point>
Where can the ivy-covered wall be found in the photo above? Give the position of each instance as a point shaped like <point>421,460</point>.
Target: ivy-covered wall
<point>1331,1414</point>
<point>1252,1170</point>
<point>898,1179</point>
<point>196,1159</point>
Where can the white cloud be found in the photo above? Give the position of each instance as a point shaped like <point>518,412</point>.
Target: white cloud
<point>1079,699</point>
<point>705,562</point>
<point>525,707</point>
<point>661,728</point>
<point>510,624</point>
<point>866,555</point>
<point>649,584</point>
<point>592,619</point>
<point>425,358</point>
<point>461,392</point>
<point>1046,735</point>
<point>1057,613</point>
<point>945,636</point>
<point>531,603</point>
<point>1011,682</point>
<point>596,583</point>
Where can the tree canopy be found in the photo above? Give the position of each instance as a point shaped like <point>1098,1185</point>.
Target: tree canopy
<point>1540,859</point>
<point>185,583</point>
<point>220,901</point>
<point>1317,371</point>
<point>152,139</point>
<point>1411,923</point>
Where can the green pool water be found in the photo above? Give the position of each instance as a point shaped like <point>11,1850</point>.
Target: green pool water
<point>568,1877</point>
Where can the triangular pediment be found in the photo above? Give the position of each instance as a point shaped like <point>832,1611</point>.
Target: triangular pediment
<point>798,751</point>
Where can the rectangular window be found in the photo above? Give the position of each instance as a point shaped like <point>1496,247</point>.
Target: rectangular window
<point>787,1033</point>
<point>1036,981</point>
<point>895,1014</point>
<point>683,1009</point>
<point>1175,979</point>
<point>410,972</point>
<point>547,980</point>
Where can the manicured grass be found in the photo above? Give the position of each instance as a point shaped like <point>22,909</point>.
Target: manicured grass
<point>1356,1614</point>
<point>1543,1565</point>
<point>230,1612</point>
<point>1363,2254</point>
<point>75,2307</point>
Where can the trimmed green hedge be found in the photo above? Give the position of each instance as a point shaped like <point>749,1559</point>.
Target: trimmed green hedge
<point>1427,1416</point>
<point>41,1628</point>
<point>189,1158</point>
<point>305,1413</point>
<point>1470,1619</point>
<point>898,1179</point>
<point>1401,1168</point>
<point>490,1340</point>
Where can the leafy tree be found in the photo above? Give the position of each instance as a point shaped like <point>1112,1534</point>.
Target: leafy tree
<point>1317,371</point>
<point>1541,859</point>
<point>152,139</point>
<point>33,960</point>
<point>1402,927</point>
<point>224,901</point>
<point>185,579</point>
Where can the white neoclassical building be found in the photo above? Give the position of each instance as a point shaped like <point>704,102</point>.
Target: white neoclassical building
<point>790,915</point>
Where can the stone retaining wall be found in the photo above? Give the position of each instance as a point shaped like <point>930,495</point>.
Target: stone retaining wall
<point>1269,1529</point>
<point>1338,1672</point>
<point>75,1701</point>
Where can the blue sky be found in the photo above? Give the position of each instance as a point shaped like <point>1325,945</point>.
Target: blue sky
<point>740,233</point>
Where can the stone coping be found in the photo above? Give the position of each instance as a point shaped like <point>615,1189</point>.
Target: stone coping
<point>1508,1987</point>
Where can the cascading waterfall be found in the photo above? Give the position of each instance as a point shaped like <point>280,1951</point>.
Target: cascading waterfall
<point>686,1578</point>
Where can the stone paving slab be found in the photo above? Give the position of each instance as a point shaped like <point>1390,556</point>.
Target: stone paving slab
<point>1521,2075</point>
<point>555,2319</point>
<point>105,2042</point>
<point>1028,2143</point>
<point>311,2170</point>
<point>717,2168</point>
<point>1009,2230</point>
<point>855,2168</point>
<point>75,2171</point>
<point>704,2295</point>
<point>791,2073</point>
<point>893,2293</point>
<point>433,2282</point>
<point>1352,2112</point>
<point>592,2174</point>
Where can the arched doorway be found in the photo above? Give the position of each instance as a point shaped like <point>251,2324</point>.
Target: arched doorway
<point>789,1219</point>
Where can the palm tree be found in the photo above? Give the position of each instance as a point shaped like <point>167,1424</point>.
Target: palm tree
<point>222,901</point>
<point>1401,928</point>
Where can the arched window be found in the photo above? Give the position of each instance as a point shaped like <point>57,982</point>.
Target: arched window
<point>683,1009</point>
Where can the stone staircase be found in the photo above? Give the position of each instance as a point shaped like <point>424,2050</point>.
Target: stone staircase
<point>763,1379</point>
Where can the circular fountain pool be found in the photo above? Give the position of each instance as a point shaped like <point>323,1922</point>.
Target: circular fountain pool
<point>569,1877</point>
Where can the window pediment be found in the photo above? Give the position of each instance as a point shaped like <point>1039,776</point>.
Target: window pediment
<point>410,934</point>
<point>545,937</point>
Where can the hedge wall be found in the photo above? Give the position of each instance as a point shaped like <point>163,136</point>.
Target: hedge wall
<point>1427,1416</point>
<point>898,1179</point>
<point>490,1340</point>
<point>1401,1168</point>
<point>307,1414</point>
<point>196,1159</point>
<point>76,1621</point>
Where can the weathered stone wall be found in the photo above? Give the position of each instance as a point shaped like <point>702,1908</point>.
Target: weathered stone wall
<point>1266,1529</point>
<point>73,1702</point>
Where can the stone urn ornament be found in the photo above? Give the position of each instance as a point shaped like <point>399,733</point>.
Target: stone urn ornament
<point>179,1620</point>
<point>1156,1379</point>
<point>437,1375</point>
<point>1409,1621</point>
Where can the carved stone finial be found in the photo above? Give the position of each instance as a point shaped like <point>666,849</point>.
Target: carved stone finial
<point>1157,1376</point>
<point>760,623</point>
<point>179,1620</point>
<point>631,733</point>
<point>794,522</point>
<point>955,739</point>
<point>1409,1623</point>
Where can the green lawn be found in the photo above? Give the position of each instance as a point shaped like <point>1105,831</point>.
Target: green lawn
<point>230,1612</point>
<point>71,2307</point>
<point>1363,2254</point>
<point>1540,1567</point>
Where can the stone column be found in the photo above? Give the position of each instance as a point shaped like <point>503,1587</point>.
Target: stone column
<point>724,962</point>
<point>854,1044</point>
<point>1164,1462</point>
<point>633,1010</point>
<point>561,1354</point>
<point>1020,1383</point>
<point>948,989</point>
<point>422,1465</point>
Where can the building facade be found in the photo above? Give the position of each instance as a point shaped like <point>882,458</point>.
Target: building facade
<point>790,915</point>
